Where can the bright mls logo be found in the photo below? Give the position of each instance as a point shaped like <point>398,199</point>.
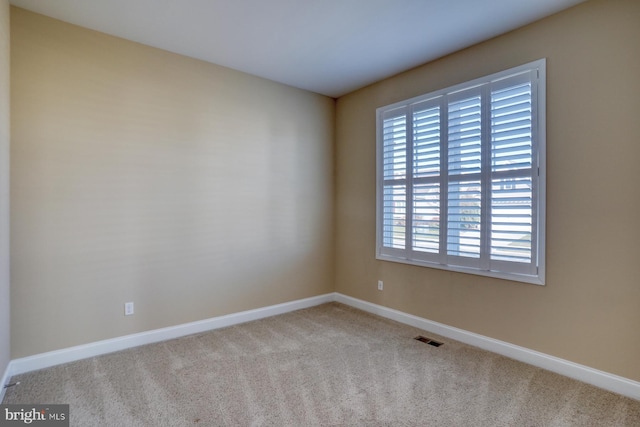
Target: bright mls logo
<point>36,415</point>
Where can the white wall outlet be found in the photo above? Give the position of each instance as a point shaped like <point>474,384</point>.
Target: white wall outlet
<point>380,285</point>
<point>128,308</point>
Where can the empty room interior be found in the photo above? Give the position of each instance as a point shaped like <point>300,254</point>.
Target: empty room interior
<point>243,215</point>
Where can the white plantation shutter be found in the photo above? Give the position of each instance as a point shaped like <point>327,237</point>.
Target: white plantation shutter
<point>395,179</point>
<point>464,164</point>
<point>512,246</point>
<point>426,218</point>
<point>426,140</point>
<point>465,134</point>
<point>425,227</point>
<point>461,177</point>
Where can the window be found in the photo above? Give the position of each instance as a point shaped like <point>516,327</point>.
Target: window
<point>461,177</point>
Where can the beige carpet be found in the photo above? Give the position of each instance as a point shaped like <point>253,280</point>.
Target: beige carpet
<point>329,365</point>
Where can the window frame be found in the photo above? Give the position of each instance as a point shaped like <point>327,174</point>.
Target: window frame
<point>535,272</point>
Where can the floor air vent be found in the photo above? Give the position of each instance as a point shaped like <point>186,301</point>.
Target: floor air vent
<point>428,341</point>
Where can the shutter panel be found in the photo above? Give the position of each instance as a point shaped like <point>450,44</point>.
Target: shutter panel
<point>512,219</point>
<point>426,142</point>
<point>464,135</point>
<point>511,128</point>
<point>394,216</point>
<point>463,230</point>
<point>394,150</point>
<point>394,166</point>
<point>464,195</point>
<point>425,216</point>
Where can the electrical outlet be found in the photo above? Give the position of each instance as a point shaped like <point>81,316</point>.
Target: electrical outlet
<point>128,308</point>
<point>380,285</point>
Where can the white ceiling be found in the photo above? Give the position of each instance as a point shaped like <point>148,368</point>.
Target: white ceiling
<point>327,46</point>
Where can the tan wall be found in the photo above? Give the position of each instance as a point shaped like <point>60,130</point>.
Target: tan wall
<point>141,175</point>
<point>589,310</point>
<point>4,187</point>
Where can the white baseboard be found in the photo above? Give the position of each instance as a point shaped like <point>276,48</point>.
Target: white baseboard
<point>579,372</point>
<point>605,380</point>
<point>71,354</point>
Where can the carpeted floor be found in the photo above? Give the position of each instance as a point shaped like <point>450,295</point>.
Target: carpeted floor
<point>330,365</point>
